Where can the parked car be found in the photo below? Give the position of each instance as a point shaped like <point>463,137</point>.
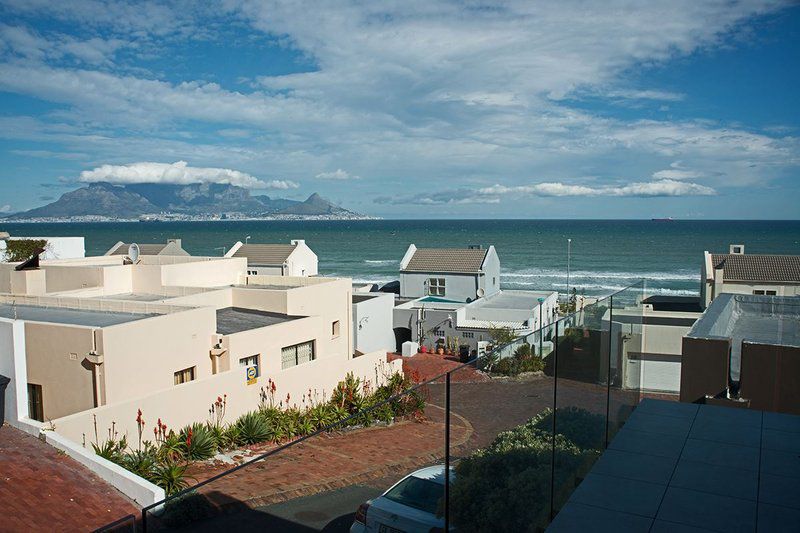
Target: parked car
<point>410,505</point>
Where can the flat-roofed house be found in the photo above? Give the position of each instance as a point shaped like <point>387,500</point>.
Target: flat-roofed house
<point>740,273</point>
<point>294,259</point>
<point>455,274</point>
<point>170,248</point>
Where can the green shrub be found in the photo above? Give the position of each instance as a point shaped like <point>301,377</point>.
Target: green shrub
<point>506,486</point>
<point>252,428</point>
<point>112,450</point>
<point>170,476</point>
<point>200,444</point>
<point>141,462</point>
<point>22,249</point>
<point>585,429</point>
<point>523,351</point>
<point>513,366</point>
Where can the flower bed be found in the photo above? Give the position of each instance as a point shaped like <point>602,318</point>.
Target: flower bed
<point>165,459</point>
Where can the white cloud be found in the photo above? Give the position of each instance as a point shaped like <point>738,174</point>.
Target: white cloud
<point>281,185</point>
<point>428,89</point>
<point>5,208</point>
<point>338,174</point>
<point>665,187</point>
<point>176,173</point>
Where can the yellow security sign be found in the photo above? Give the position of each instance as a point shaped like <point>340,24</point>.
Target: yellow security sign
<point>252,375</point>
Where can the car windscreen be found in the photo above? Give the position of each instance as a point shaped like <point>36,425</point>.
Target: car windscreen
<point>421,494</point>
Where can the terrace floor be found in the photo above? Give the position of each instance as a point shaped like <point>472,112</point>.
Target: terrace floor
<point>42,489</point>
<point>687,467</point>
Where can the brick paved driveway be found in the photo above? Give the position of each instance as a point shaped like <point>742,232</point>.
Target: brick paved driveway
<point>42,489</point>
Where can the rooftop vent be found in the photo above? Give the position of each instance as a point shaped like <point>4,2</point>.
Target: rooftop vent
<point>475,247</point>
<point>737,249</point>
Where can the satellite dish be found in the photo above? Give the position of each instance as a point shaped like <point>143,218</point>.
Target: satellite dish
<point>133,252</point>
<point>481,292</point>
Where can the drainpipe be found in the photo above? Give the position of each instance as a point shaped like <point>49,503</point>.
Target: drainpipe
<point>96,359</point>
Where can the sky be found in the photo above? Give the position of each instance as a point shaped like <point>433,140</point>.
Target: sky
<point>412,109</point>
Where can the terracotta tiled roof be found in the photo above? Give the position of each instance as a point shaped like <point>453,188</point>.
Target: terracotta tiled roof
<point>757,267</point>
<point>446,260</point>
<point>265,254</point>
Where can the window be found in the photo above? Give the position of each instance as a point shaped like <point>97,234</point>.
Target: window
<point>251,361</point>
<point>468,335</point>
<point>184,376</point>
<point>438,332</point>
<point>765,292</point>
<point>436,286</point>
<point>335,329</point>
<point>297,354</point>
<point>35,406</point>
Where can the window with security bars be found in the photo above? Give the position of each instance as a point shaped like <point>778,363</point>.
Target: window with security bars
<point>251,361</point>
<point>185,375</point>
<point>297,354</point>
<point>436,286</point>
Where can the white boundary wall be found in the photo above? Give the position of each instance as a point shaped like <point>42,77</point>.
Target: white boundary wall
<point>184,404</point>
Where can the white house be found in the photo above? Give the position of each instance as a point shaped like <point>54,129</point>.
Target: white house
<point>430,320</point>
<point>56,248</point>
<point>454,274</point>
<point>372,322</point>
<point>740,273</point>
<point>172,247</point>
<point>294,259</point>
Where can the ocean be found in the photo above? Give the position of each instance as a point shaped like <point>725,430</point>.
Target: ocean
<point>607,255</point>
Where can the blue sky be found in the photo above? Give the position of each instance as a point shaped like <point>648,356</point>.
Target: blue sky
<point>421,109</point>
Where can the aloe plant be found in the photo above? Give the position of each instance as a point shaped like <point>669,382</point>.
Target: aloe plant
<point>252,428</point>
<point>198,442</point>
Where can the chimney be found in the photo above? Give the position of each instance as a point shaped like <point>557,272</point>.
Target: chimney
<point>475,247</point>
<point>176,241</point>
<point>736,249</point>
<point>298,242</point>
<point>719,277</point>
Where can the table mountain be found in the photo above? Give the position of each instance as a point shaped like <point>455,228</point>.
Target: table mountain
<point>130,201</point>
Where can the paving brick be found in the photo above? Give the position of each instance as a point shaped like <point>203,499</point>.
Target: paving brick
<point>42,489</point>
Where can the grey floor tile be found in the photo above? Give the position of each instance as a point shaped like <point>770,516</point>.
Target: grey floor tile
<point>619,494</point>
<point>660,526</point>
<point>665,408</point>
<point>776,519</point>
<point>729,415</point>
<point>786,441</point>
<point>728,433</point>
<point>780,463</point>
<point>721,454</point>
<point>649,443</point>
<point>722,480</point>
<point>710,511</point>
<point>779,490</point>
<point>782,422</point>
<point>649,468</point>
<point>665,425</point>
<point>578,517</point>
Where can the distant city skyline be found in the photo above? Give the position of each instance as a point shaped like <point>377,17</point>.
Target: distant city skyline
<point>411,110</point>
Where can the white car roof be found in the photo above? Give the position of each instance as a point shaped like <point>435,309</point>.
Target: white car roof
<point>432,473</point>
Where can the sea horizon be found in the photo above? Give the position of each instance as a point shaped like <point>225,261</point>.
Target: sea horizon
<point>606,254</point>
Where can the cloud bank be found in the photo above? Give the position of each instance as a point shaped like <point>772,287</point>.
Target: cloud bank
<point>178,173</point>
<point>338,174</point>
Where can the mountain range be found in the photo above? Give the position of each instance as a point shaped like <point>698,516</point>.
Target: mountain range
<point>134,200</point>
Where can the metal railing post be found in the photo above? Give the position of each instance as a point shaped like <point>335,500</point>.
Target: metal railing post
<point>608,375</point>
<point>553,434</point>
<point>447,454</point>
<point>144,520</point>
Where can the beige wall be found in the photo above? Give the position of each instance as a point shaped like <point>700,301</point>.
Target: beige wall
<point>55,360</point>
<point>67,278</point>
<point>270,341</point>
<point>331,301</point>
<point>141,357</point>
<point>181,405</point>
